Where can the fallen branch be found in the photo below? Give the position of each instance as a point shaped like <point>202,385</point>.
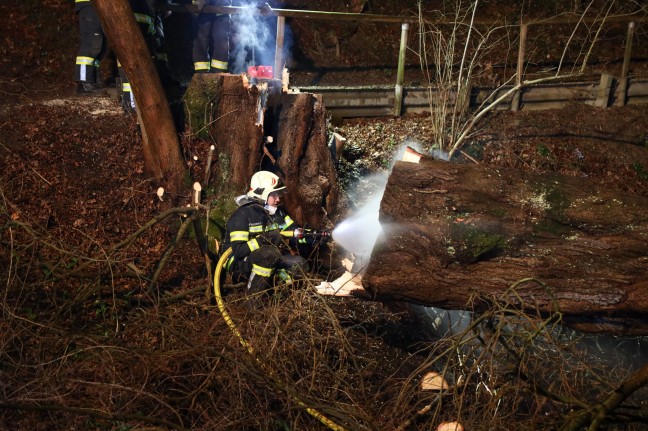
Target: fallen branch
<point>167,253</point>
<point>595,415</point>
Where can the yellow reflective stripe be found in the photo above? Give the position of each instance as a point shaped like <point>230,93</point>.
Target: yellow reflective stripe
<point>126,86</point>
<point>217,64</point>
<point>256,229</point>
<point>261,271</point>
<point>81,1</point>
<point>201,65</point>
<point>253,244</point>
<point>145,19</point>
<point>229,263</point>
<point>87,61</point>
<point>283,274</point>
<point>289,222</point>
<point>273,226</point>
<point>239,235</point>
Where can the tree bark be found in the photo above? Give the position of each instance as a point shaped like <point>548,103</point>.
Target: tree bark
<point>225,107</point>
<point>459,236</point>
<point>302,157</point>
<point>162,156</point>
<point>229,107</point>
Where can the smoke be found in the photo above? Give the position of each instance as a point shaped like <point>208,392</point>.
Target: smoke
<point>254,38</point>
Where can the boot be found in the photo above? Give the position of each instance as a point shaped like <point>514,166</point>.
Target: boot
<point>89,88</point>
<point>127,105</point>
<point>256,289</point>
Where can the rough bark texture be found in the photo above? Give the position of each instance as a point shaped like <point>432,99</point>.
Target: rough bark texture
<point>162,156</point>
<point>459,236</point>
<point>228,107</point>
<point>303,159</point>
<point>299,153</point>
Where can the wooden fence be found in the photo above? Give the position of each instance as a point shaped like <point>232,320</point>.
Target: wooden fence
<point>405,100</point>
<point>349,102</point>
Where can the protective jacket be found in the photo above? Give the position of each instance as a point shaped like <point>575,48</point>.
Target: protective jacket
<point>251,256</point>
<point>248,221</point>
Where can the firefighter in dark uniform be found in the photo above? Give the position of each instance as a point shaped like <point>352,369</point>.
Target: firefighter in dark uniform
<point>256,233</point>
<point>151,26</point>
<point>92,48</point>
<point>211,39</point>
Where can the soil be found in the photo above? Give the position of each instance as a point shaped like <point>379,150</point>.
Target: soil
<point>72,185</point>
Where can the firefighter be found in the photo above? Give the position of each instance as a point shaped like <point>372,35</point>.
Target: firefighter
<point>151,26</point>
<point>211,39</point>
<point>92,48</point>
<point>256,233</point>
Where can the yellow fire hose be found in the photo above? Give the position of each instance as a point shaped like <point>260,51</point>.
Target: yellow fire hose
<point>228,319</point>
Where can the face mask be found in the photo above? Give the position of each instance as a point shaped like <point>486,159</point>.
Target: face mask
<point>271,209</point>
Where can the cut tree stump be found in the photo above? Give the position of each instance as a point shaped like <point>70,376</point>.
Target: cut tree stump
<point>240,117</point>
<point>459,236</point>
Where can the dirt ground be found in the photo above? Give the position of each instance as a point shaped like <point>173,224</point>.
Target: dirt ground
<point>72,185</point>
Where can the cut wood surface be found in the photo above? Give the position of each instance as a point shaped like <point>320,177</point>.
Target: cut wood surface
<point>458,236</point>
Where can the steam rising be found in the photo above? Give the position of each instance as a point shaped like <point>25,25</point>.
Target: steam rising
<point>253,38</point>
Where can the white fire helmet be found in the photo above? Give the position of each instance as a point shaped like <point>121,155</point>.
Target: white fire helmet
<point>262,184</point>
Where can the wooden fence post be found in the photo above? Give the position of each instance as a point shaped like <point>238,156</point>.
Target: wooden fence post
<point>278,63</point>
<point>603,93</point>
<point>398,100</point>
<point>517,96</point>
<point>622,93</point>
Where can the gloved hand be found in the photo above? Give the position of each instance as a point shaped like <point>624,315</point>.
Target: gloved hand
<point>272,237</point>
<point>299,233</point>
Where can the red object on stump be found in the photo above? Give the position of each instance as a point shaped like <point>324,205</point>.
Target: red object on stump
<point>263,72</point>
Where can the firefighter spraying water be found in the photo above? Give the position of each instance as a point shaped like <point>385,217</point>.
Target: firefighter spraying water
<point>262,238</point>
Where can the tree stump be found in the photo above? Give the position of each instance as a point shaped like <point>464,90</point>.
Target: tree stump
<point>459,236</point>
<point>240,117</point>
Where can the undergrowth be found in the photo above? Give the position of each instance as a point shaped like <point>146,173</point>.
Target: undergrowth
<point>79,354</point>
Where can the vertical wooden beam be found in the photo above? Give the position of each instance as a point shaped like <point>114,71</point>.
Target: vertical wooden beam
<point>622,92</point>
<point>279,62</point>
<point>517,96</point>
<point>398,100</point>
<point>603,94</point>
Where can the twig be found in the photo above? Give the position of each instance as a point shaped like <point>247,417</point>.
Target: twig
<point>131,238</point>
<point>597,413</point>
<point>208,166</point>
<point>167,253</point>
<point>431,191</point>
<point>93,413</point>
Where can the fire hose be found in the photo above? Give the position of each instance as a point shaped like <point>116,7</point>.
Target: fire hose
<point>228,319</point>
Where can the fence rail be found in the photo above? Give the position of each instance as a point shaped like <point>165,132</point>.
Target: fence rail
<point>350,102</point>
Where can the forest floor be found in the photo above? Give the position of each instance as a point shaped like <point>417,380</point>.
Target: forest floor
<point>86,343</point>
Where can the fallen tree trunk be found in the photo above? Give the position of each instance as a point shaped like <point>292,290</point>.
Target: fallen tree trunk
<point>459,236</point>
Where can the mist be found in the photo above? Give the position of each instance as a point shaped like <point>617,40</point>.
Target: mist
<point>253,39</point>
